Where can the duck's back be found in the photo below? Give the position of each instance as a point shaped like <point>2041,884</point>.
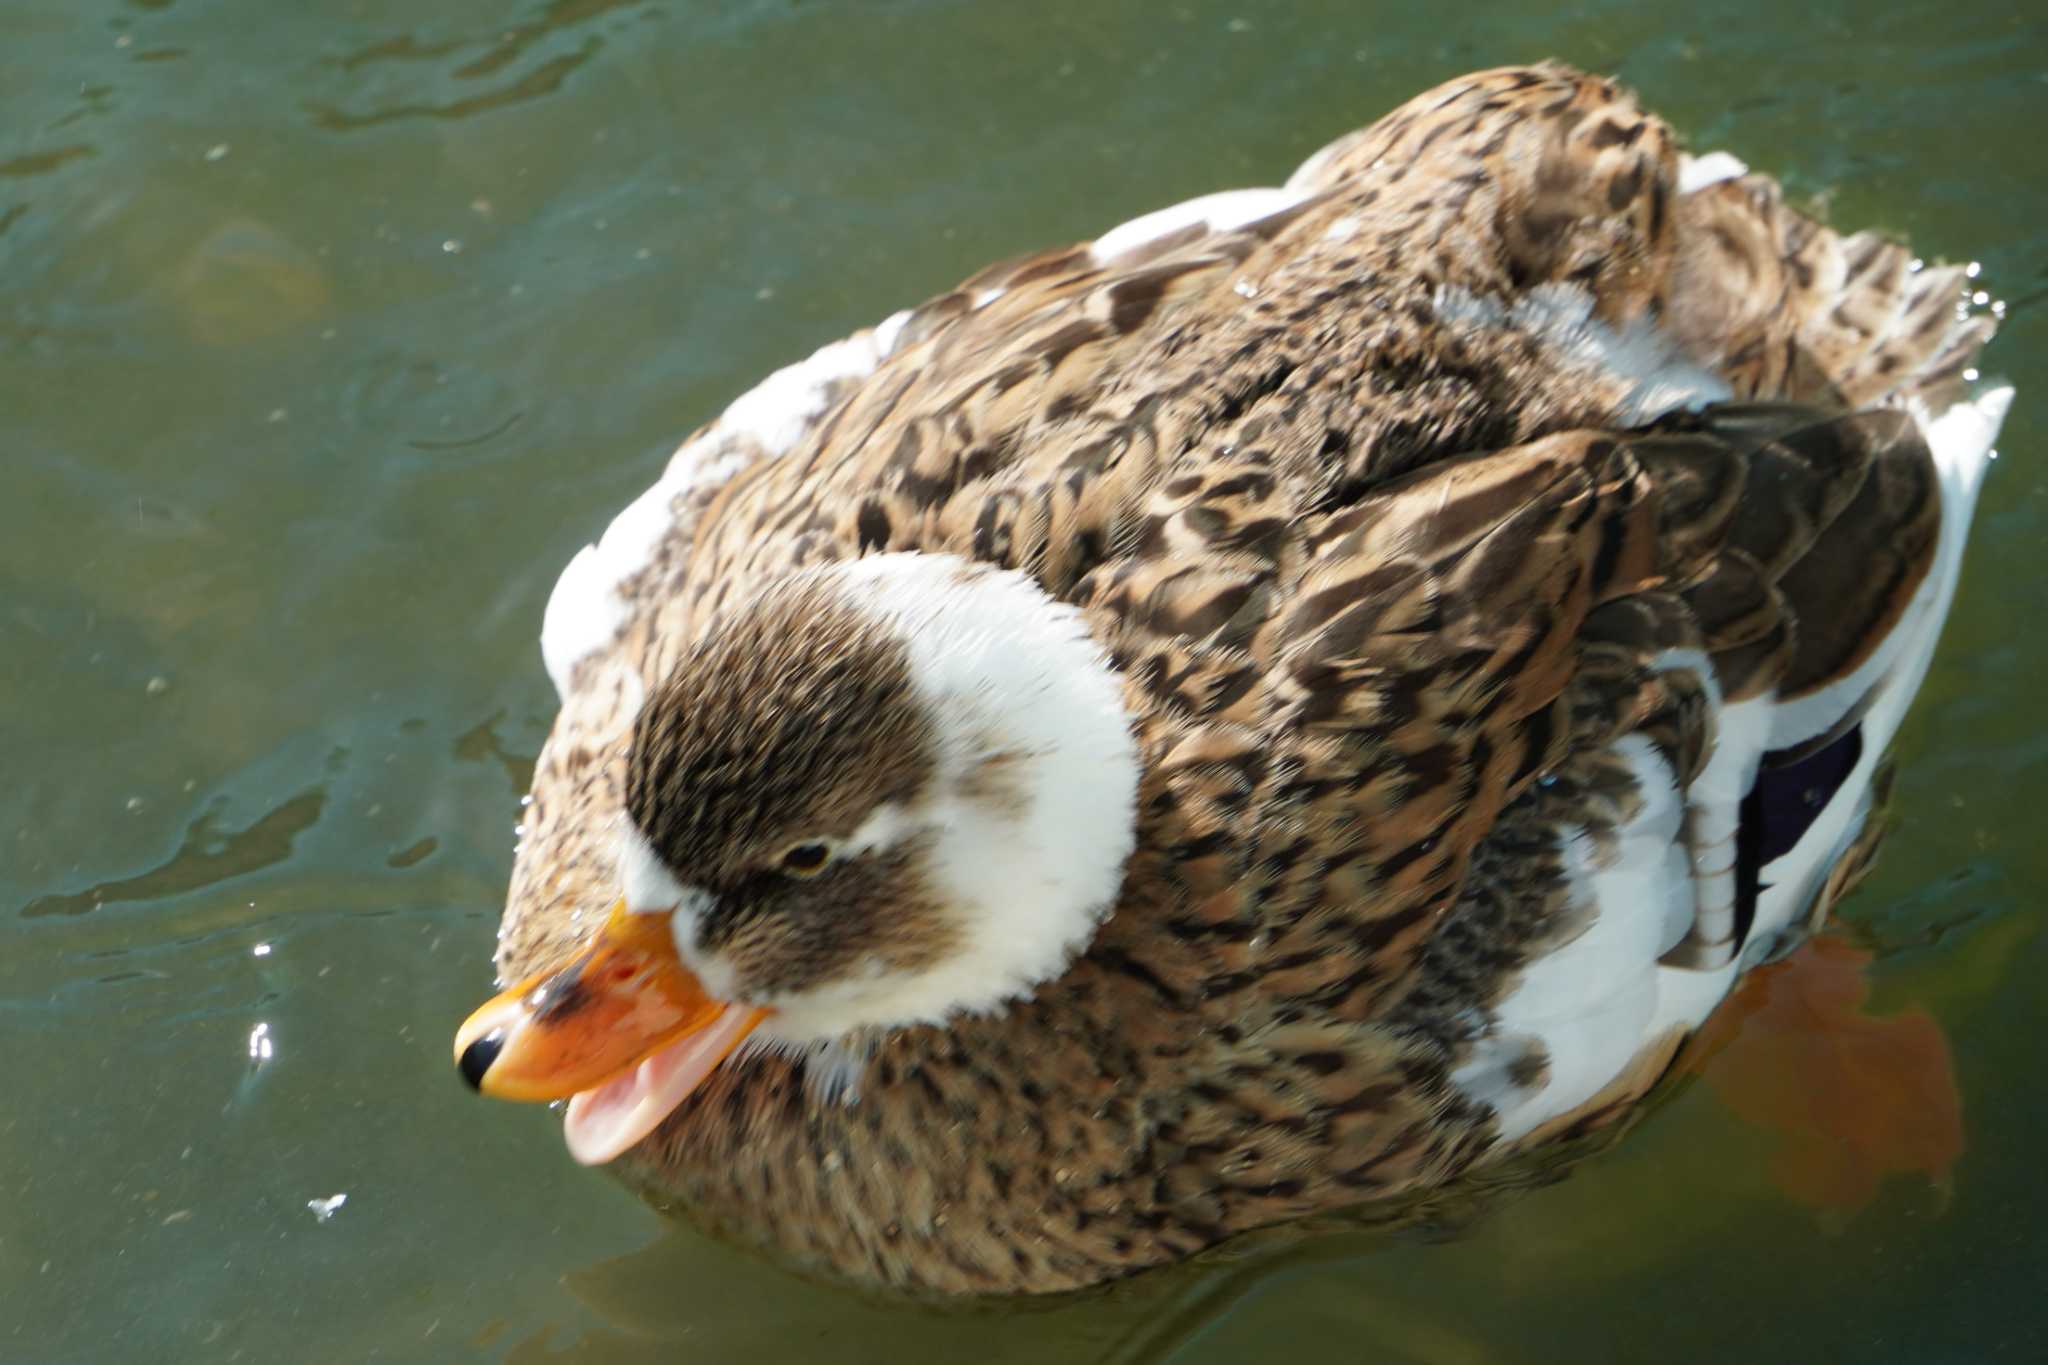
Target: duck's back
<point>1520,546</point>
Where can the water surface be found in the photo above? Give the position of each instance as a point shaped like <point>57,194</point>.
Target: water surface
<point>328,333</point>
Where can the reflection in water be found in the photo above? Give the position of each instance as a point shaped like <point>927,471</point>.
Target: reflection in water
<point>246,281</point>
<point>543,80</point>
<point>207,856</point>
<point>36,163</point>
<point>325,1209</point>
<point>256,1077</point>
<point>413,854</point>
<point>647,1303</point>
<point>467,442</point>
<point>506,46</point>
<point>387,553</point>
<point>481,744</point>
<point>1852,1097</point>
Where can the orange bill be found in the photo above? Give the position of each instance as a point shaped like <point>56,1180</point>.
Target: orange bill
<point>623,1031</point>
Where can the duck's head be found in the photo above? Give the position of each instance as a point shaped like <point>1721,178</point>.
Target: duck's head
<point>879,794</point>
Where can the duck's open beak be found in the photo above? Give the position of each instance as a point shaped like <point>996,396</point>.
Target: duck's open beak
<point>623,1031</point>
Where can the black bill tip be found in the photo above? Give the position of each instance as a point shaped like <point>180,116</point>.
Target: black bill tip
<point>476,1059</point>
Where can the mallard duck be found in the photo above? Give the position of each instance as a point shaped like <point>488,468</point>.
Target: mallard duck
<point>1310,693</point>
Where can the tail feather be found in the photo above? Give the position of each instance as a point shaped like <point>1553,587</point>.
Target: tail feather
<point>1786,308</point>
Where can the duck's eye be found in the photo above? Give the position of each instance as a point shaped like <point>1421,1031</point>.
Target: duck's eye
<point>807,859</point>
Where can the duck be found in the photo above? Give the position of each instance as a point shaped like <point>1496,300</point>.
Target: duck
<point>1277,709</point>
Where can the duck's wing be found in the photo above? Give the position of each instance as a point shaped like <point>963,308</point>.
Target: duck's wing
<point>1548,725</point>
<point>1557,739</point>
<point>1715,751</point>
<point>1641,760</point>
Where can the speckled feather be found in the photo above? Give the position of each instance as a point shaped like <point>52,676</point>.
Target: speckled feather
<point>1385,583</point>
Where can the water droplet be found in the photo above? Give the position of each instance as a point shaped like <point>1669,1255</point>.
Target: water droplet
<point>260,950</point>
<point>262,1047</point>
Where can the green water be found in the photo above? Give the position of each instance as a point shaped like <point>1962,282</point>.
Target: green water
<point>328,331</point>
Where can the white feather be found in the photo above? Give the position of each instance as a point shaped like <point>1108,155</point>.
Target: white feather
<point>1960,442</point>
<point>1589,1006</point>
<point>645,882</point>
<point>1697,172</point>
<point>587,609</point>
<point>1589,1002</point>
<point>1560,316</point>
<point>1002,669</point>
<point>1223,211</point>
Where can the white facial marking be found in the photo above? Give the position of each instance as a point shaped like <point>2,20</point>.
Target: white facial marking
<point>880,832</point>
<point>644,880</point>
<point>1026,874</point>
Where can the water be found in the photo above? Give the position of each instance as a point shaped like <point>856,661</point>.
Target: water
<point>327,333</point>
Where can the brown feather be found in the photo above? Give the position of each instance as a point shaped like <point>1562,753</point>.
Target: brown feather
<point>1383,585</point>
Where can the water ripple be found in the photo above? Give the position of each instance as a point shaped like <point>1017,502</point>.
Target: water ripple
<point>208,856</point>
<point>543,80</point>
<point>507,47</point>
<point>41,163</point>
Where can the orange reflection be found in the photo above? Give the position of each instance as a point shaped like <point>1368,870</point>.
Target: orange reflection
<point>1853,1097</point>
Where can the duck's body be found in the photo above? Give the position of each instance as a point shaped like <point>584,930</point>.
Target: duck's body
<point>1511,562</point>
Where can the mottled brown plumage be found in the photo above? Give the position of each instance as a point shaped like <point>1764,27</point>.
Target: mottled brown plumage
<point>1385,581</point>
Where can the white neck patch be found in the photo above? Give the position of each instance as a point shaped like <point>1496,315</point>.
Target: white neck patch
<point>1029,872</point>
